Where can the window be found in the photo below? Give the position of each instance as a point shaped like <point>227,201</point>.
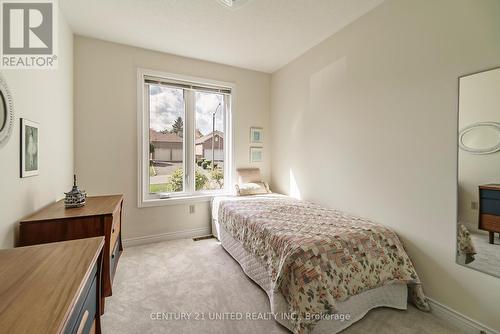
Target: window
<point>185,138</point>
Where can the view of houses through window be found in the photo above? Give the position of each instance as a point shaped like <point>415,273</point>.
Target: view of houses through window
<point>209,141</point>
<point>168,109</point>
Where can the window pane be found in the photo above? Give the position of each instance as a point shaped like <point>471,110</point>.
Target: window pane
<point>166,139</point>
<point>209,141</point>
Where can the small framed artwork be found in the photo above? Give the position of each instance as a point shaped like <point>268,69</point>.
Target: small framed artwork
<point>30,156</point>
<point>256,154</point>
<point>256,135</point>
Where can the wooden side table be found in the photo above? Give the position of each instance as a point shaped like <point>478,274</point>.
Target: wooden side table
<point>51,288</point>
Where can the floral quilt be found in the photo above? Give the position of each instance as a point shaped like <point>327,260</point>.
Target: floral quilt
<point>465,244</point>
<point>317,256</point>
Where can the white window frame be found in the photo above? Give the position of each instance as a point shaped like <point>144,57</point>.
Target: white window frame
<point>145,199</point>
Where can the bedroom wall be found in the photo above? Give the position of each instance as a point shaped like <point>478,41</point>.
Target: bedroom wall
<point>46,97</point>
<point>366,122</point>
<point>106,126</point>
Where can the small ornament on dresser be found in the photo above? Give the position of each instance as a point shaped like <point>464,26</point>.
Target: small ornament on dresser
<point>75,198</point>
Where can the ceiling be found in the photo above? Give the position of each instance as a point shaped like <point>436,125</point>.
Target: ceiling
<point>262,35</point>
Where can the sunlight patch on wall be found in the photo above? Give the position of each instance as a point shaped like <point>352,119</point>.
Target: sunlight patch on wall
<point>294,188</point>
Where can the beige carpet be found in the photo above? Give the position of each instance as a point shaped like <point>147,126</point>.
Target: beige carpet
<point>200,277</point>
<point>487,258</point>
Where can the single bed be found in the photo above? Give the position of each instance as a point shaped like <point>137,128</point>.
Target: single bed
<point>322,269</point>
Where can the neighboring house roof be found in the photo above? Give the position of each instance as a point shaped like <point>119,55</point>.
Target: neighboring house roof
<point>209,136</point>
<point>198,134</point>
<point>164,137</point>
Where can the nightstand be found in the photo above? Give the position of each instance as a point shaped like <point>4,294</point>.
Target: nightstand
<point>489,209</point>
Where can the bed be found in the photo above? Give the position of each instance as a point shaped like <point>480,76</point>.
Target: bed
<point>322,269</point>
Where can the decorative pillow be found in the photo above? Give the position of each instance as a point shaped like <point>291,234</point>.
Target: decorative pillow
<point>253,188</point>
<point>247,175</point>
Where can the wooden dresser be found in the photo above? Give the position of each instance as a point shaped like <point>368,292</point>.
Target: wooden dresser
<point>101,216</point>
<point>51,288</point>
<point>489,209</point>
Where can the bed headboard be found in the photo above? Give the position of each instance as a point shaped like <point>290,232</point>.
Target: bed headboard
<point>246,175</point>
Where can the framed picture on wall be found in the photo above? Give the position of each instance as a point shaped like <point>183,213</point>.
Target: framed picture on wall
<point>256,135</point>
<point>256,154</point>
<point>30,156</point>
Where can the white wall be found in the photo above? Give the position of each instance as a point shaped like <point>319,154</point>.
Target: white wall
<point>106,126</point>
<point>46,97</point>
<point>479,102</point>
<point>366,122</point>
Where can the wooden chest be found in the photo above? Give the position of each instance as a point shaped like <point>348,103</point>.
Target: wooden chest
<point>101,216</point>
<point>489,209</point>
<point>51,288</point>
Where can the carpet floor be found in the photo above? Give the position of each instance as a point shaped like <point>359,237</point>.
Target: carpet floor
<point>488,256</point>
<point>183,286</point>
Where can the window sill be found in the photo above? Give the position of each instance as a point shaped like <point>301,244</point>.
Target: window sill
<point>180,200</point>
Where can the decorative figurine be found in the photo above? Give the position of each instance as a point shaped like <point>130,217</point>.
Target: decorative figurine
<point>75,198</point>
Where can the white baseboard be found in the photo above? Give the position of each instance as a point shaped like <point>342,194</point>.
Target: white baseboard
<point>185,234</point>
<point>459,320</point>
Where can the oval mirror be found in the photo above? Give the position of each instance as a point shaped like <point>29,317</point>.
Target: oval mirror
<point>6,112</point>
<point>480,138</point>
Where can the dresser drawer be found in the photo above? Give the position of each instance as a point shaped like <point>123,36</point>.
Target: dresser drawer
<point>490,206</point>
<point>487,193</point>
<point>490,223</point>
<point>115,230</point>
<point>87,315</point>
<point>82,319</point>
<point>113,259</point>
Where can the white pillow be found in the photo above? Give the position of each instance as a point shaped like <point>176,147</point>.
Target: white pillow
<point>252,188</point>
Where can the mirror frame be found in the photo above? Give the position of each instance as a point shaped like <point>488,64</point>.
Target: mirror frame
<point>9,112</point>
<point>458,147</point>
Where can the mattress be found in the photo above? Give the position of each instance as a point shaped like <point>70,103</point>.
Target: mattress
<point>347,312</point>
